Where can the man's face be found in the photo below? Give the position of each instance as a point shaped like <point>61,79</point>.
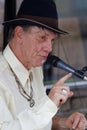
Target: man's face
<point>37,44</point>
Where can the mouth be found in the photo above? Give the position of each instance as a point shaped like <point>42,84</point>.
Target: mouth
<point>44,57</point>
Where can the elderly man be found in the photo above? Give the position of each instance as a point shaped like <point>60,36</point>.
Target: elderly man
<point>24,104</point>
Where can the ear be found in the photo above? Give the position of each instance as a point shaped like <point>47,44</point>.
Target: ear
<point>18,32</point>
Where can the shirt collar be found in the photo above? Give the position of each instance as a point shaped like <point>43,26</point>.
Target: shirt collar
<point>21,72</point>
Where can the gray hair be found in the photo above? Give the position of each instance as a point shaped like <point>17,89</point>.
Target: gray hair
<point>11,31</point>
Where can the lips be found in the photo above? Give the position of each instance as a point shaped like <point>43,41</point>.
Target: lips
<point>44,57</point>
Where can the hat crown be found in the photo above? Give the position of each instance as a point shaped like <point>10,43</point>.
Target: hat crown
<point>41,13</point>
<point>40,8</point>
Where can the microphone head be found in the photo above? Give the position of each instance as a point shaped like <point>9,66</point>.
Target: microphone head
<point>57,62</point>
<point>52,60</point>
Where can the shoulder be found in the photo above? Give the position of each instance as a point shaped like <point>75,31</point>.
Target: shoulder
<point>3,63</point>
<point>4,78</point>
<point>5,73</point>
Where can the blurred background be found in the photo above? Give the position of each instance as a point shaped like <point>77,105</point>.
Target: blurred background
<point>71,48</point>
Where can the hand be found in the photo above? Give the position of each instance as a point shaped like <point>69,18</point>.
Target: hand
<point>56,93</point>
<point>76,121</point>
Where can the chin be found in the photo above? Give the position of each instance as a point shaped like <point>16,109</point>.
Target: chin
<point>43,62</point>
<point>40,63</point>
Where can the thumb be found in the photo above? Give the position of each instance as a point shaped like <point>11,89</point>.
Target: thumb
<point>71,94</point>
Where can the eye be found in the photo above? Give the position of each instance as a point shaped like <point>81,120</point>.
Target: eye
<point>53,40</point>
<point>43,37</point>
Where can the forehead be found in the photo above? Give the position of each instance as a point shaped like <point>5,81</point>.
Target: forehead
<point>43,31</point>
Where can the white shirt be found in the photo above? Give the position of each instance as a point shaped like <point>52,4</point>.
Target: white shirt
<point>15,112</point>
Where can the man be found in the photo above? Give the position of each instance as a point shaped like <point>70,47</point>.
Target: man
<point>24,104</point>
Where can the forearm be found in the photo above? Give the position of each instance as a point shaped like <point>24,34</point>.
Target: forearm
<point>59,124</point>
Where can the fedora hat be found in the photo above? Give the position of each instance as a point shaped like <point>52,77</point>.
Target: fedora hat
<point>37,12</point>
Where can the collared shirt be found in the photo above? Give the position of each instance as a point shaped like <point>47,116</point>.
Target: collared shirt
<point>15,111</point>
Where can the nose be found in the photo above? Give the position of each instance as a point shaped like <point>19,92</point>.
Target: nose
<point>48,46</point>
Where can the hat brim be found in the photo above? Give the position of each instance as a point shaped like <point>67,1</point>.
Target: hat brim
<point>23,21</point>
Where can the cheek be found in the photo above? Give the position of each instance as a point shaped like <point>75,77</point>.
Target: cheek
<point>36,49</point>
<point>31,51</point>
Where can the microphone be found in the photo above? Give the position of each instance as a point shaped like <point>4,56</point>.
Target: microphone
<point>57,62</point>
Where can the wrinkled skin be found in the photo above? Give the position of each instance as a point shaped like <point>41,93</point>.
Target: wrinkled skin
<point>76,121</point>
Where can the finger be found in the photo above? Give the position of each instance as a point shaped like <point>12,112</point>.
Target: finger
<point>63,79</point>
<point>71,94</point>
<point>64,95</point>
<point>75,123</point>
<point>64,91</point>
<point>63,99</point>
<point>81,125</point>
<point>67,91</point>
<point>79,122</point>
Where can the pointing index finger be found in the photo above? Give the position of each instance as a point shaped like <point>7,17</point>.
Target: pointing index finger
<point>63,79</point>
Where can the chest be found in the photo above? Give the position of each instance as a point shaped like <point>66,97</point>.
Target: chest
<point>21,103</point>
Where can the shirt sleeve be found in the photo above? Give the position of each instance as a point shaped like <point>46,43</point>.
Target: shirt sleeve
<point>6,120</point>
<point>33,120</point>
<point>38,119</point>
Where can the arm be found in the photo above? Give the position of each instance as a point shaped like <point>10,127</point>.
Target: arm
<point>59,124</point>
<point>32,119</point>
<point>27,119</point>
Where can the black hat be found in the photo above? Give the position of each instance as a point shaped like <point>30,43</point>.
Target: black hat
<point>37,12</point>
